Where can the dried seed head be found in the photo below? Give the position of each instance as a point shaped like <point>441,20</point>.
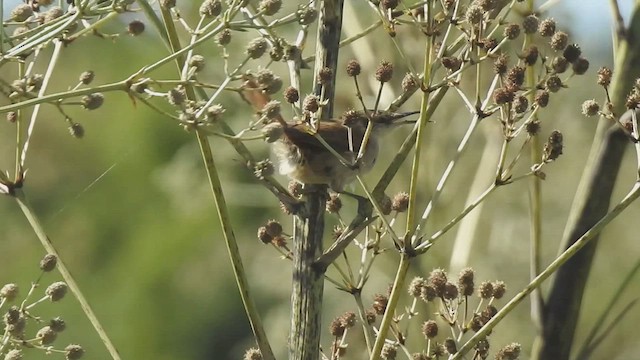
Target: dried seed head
<point>409,83</point>
<point>633,100</point>
<point>512,31</point>
<point>270,7</point>
<point>499,288</point>
<point>9,292</point>
<point>542,98</point>
<point>334,204</point>
<point>485,291</point>
<point>547,27</point>
<point>488,44</point>
<point>482,347</point>
<point>214,113</point>
<point>272,132</point>
<point>384,71</point>
<point>176,96</point>
<point>211,8</point>
<point>451,63</point>
<point>87,77</point>
<point>197,61</point>
<point>263,235</point>
<point>21,13</point>
<point>500,64</point>
<point>385,205</point>
<point>253,354</point>
<point>295,188</point>
<point>76,130</point>
<point>604,76</point>
<point>92,101</point>
<point>474,14</point>
<point>257,47</point>
<point>430,329</point>
<point>572,52</point>
<point>353,68</point>
<point>348,319</point>
<point>57,324</point>
<point>450,291</point>
<point>291,95</point>
<point>325,75</point>
<point>389,352</point>
<point>533,127</point>
<point>52,14</point>
<point>515,76</point>
<point>56,291</point>
<point>590,108</point>
<point>223,37</point>
<point>509,352</point>
<point>135,28</point>
<point>451,346</point>
<point>307,15</point>
<point>416,285</point>
<point>438,279</point>
<point>311,103</point>
<point>465,281</point>
<point>271,110</point>
<point>530,24</point>
<point>530,55</point>
<point>520,104</point>
<point>273,228</point>
<point>476,323</point>
<point>559,41</point>
<point>553,83</point>
<point>14,354</point>
<point>73,352</point>
<point>420,356</point>
<point>580,66</point>
<point>12,316</point>
<point>503,95</point>
<point>16,328</point>
<point>400,202</point>
<point>559,64</point>
<point>389,4</point>
<point>353,118</point>
<point>46,335</point>
<point>489,312</point>
<point>553,148</point>
<point>380,303</point>
<point>48,262</point>
<point>336,328</point>
<point>428,293</point>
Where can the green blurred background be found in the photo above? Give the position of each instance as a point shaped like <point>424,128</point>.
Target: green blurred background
<point>128,206</point>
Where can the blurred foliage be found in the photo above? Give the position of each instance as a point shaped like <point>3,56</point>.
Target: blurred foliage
<point>129,208</point>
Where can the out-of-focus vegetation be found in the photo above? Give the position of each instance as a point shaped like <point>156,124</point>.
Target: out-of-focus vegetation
<point>129,208</point>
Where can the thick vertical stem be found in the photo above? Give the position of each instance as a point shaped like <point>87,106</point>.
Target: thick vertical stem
<point>590,204</point>
<point>308,277</point>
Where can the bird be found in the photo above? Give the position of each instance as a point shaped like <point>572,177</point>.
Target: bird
<point>303,156</point>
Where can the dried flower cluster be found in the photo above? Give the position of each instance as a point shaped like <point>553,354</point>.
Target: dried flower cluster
<point>18,316</point>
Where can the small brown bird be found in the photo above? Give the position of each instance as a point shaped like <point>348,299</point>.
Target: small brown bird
<point>303,156</point>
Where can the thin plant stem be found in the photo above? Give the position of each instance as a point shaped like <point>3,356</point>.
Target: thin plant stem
<point>387,319</point>
<point>415,166</point>
<point>633,194</point>
<point>535,197</point>
<point>64,271</point>
<point>57,48</point>
<point>232,248</point>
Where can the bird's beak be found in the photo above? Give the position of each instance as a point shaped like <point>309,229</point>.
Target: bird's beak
<point>399,118</point>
